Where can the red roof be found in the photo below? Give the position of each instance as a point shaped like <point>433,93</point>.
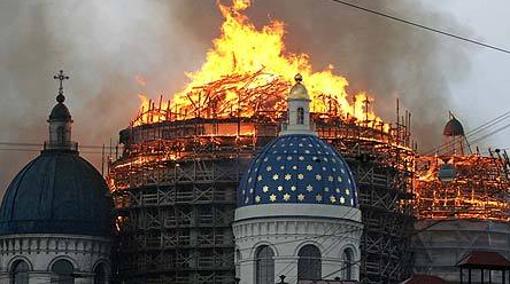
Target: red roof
<point>484,259</point>
<point>424,279</point>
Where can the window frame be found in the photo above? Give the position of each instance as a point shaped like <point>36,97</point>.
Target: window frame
<point>309,263</point>
<point>265,262</point>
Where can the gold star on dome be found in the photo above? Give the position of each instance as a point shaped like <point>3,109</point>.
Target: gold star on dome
<point>265,159</point>
<point>268,168</point>
<point>282,168</point>
<point>259,178</point>
<point>301,158</point>
<point>342,200</point>
<point>318,197</point>
<point>249,180</point>
<point>310,145</point>
<point>294,167</point>
<point>257,199</point>
<point>289,158</point>
<point>293,188</point>
<point>332,199</point>
<point>326,189</point>
<point>318,177</point>
<point>300,144</point>
<point>309,167</point>
<point>275,177</point>
<point>307,152</point>
<point>349,181</point>
<point>286,197</point>
<point>330,178</point>
<point>309,188</point>
<point>265,188</point>
<point>301,197</point>
<point>278,158</point>
<point>300,176</point>
<point>291,144</point>
<point>280,188</point>
<point>272,197</point>
<point>244,192</point>
<point>251,190</point>
<point>347,191</point>
<point>342,170</point>
<point>333,169</point>
<point>334,161</point>
<point>337,190</point>
<point>339,179</point>
<point>288,177</point>
<point>323,168</point>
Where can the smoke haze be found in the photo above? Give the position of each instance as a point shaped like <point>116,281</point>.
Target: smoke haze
<point>103,45</point>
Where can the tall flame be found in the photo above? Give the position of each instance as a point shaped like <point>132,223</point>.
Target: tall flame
<point>247,63</point>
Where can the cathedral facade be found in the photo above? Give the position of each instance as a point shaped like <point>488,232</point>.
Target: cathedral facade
<point>56,215</point>
<point>297,212</point>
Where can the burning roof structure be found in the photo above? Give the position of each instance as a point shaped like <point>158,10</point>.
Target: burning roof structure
<point>174,184</point>
<point>247,73</point>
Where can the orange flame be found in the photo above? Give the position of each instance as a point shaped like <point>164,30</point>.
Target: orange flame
<point>246,63</point>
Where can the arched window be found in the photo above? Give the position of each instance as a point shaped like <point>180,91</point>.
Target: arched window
<point>264,265</point>
<point>309,264</point>
<point>19,272</point>
<point>100,274</point>
<point>300,115</point>
<point>348,262</point>
<point>60,134</point>
<point>63,272</point>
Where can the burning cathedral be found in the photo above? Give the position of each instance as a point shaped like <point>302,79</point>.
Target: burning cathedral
<point>252,172</point>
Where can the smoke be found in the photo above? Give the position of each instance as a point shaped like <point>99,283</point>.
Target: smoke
<point>104,45</point>
<point>388,59</point>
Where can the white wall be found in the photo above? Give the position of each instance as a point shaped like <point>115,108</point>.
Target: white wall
<point>288,227</point>
<point>40,251</point>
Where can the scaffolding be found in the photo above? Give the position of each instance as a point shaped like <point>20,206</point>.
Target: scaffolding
<point>174,191</point>
<point>473,187</point>
<point>174,184</point>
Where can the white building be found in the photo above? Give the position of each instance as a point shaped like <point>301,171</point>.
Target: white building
<point>56,215</point>
<point>297,212</point>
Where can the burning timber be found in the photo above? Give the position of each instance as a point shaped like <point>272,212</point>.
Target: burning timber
<point>461,204</point>
<point>478,188</point>
<point>174,190</point>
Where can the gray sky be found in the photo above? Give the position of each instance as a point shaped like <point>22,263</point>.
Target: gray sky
<point>103,45</point>
<point>485,92</point>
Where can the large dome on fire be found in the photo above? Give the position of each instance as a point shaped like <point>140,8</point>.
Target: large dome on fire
<point>298,169</point>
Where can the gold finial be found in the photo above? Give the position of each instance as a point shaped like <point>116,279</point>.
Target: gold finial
<point>298,78</point>
<point>298,91</point>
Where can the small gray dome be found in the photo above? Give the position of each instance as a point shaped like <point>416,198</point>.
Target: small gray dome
<point>58,192</point>
<point>453,128</point>
<point>60,112</point>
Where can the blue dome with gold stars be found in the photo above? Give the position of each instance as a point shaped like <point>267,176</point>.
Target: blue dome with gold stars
<point>298,169</point>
